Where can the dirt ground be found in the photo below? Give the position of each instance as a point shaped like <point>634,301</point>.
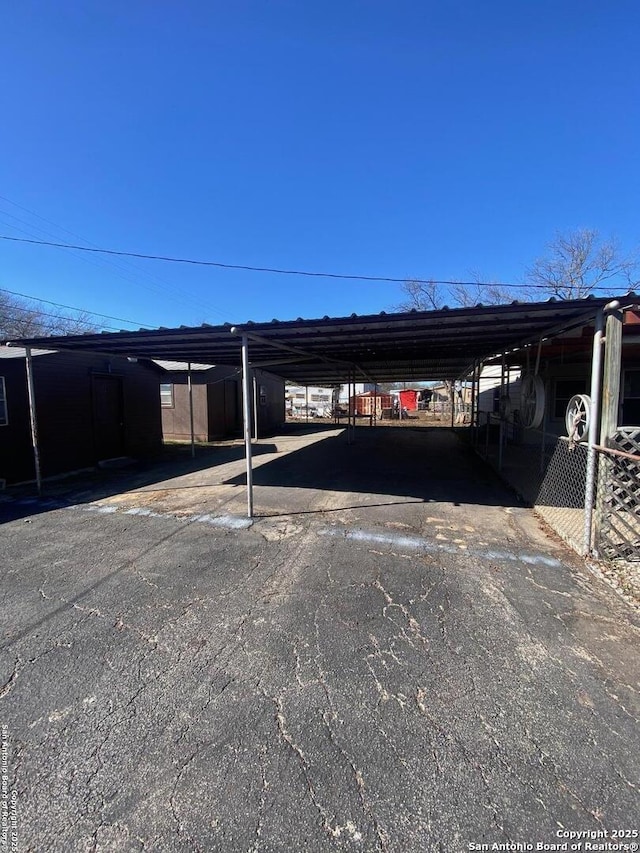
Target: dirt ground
<point>413,419</point>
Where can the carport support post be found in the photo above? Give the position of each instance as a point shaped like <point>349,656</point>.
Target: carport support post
<point>502,415</point>
<point>353,416</point>
<point>306,402</point>
<point>453,404</point>
<point>190,386</point>
<point>473,404</point>
<point>33,419</point>
<point>589,492</point>
<point>349,408</point>
<point>246,413</point>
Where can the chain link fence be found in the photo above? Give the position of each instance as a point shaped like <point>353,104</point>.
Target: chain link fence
<point>561,497</point>
<point>550,473</point>
<point>546,470</point>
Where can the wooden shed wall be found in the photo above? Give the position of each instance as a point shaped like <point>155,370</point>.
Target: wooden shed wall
<point>217,403</point>
<point>65,390</point>
<point>176,421</point>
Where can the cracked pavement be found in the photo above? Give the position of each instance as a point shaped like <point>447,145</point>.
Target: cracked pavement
<point>393,657</point>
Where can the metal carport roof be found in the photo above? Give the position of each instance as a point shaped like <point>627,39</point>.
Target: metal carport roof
<point>415,345</point>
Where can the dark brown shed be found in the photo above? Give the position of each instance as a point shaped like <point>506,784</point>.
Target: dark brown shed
<point>91,407</point>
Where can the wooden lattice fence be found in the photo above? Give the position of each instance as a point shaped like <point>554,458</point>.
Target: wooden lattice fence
<point>618,510</point>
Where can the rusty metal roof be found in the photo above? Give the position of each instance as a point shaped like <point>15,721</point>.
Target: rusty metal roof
<point>411,346</point>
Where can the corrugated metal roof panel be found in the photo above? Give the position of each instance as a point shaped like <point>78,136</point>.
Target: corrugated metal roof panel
<point>411,346</point>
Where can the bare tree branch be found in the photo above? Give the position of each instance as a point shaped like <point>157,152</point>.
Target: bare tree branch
<point>429,296</point>
<point>21,318</point>
<point>421,296</point>
<point>579,261</point>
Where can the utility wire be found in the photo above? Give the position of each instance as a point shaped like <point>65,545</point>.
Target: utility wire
<point>73,308</point>
<point>156,282</point>
<point>277,271</point>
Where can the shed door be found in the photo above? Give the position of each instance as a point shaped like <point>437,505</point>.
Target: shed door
<point>231,420</point>
<point>108,416</point>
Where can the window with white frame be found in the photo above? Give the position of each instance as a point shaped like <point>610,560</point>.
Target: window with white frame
<point>4,415</point>
<point>166,395</point>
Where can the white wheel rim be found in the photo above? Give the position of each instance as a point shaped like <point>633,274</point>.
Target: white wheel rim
<point>531,401</point>
<point>578,417</point>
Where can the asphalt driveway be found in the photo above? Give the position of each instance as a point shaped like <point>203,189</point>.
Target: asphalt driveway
<point>392,657</point>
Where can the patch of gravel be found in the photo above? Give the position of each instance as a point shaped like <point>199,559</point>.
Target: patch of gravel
<point>621,575</point>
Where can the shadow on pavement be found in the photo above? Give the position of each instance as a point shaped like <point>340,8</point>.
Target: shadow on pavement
<point>427,464</point>
<point>176,461</point>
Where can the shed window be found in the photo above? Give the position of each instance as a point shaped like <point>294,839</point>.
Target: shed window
<point>565,390</point>
<point>4,416</point>
<point>166,395</point>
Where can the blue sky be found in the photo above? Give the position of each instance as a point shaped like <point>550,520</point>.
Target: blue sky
<point>426,139</point>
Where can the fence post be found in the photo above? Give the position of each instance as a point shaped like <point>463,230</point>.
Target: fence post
<point>610,401</point>
<point>611,378</point>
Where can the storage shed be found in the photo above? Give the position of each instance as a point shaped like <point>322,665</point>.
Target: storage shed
<point>409,399</point>
<point>90,408</point>
<point>365,403</point>
<point>217,402</point>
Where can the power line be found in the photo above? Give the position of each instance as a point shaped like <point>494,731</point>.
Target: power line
<point>274,270</point>
<point>73,308</point>
<point>156,282</point>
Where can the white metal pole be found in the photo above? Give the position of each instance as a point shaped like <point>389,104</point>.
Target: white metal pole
<point>190,385</point>
<point>596,368</point>
<point>33,419</point>
<point>246,417</point>
<point>353,415</point>
<point>473,398</point>
<point>349,408</point>
<point>350,405</point>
